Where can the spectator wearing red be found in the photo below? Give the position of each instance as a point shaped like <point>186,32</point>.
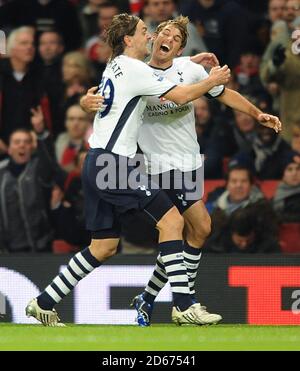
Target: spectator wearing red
<point>95,47</point>
<point>71,142</point>
<point>21,88</point>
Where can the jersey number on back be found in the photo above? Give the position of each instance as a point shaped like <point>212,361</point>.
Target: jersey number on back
<point>107,90</point>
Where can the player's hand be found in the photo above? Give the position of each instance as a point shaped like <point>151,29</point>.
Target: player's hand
<point>91,102</point>
<point>37,120</point>
<point>270,121</point>
<point>220,75</point>
<point>207,60</point>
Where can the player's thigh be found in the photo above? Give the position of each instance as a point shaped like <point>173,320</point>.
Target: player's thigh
<point>161,210</point>
<point>197,219</point>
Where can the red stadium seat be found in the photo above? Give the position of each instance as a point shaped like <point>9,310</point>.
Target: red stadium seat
<point>289,237</point>
<point>268,187</point>
<point>211,185</point>
<point>63,247</point>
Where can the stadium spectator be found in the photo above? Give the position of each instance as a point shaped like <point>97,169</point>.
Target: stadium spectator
<point>20,85</point>
<point>247,74</point>
<point>286,201</point>
<point>50,49</point>
<point>267,154</point>
<point>240,191</point>
<point>228,137</point>
<point>291,13</point>
<point>243,197</point>
<point>88,16</point>
<point>71,142</point>
<point>244,133</point>
<point>44,15</point>
<point>206,125</point>
<point>223,26</point>
<point>295,143</point>
<point>276,10</point>
<point>95,46</point>
<point>77,75</point>
<point>161,10</point>
<point>284,69</point>
<point>25,183</point>
<point>68,208</point>
<point>245,233</point>
<point>279,69</point>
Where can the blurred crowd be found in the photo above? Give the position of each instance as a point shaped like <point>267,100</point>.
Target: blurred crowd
<point>56,50</point>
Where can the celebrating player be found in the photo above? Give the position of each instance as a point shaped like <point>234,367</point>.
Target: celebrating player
<point>169,143</point>
<point>125,83</point>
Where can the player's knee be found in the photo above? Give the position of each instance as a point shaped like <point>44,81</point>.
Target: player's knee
<point>172,221</point>
<point>109,252</point>
<point>102,251</point>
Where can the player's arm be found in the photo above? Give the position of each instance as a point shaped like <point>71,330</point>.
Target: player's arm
<point>205,59</point>
<point>237,102</point>
<point>183,94</point>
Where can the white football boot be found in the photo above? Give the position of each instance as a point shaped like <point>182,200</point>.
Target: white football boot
<point>196,314</point>
<point>46,317</point>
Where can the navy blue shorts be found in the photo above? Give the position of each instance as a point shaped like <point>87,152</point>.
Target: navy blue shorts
<point>112,187</point>
<point>183,188</point>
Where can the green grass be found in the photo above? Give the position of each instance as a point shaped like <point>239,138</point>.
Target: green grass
<point>156,337</point>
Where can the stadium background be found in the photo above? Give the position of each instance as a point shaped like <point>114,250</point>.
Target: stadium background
<point>219,283</point>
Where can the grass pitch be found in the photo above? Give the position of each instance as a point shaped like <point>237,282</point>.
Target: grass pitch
<point>156,337</point>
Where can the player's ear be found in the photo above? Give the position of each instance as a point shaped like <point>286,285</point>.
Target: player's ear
<point>179,52</point>
<point>127,40</point>
<point>153,37</point>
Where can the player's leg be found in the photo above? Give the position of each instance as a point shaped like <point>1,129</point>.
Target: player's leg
<point>170,225</point>
<point>105,229</point>
<point>82,264</point>
<point>197,224</point>
<point>197,229</point>
<point>178,197</point>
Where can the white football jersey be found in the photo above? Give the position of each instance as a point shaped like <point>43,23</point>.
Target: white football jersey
<point>124,85</point>
<point>168,135</point>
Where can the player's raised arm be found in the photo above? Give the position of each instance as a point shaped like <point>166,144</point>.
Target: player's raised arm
<point>205,59</point>
<point>186,93</point>
<point>236,101</point>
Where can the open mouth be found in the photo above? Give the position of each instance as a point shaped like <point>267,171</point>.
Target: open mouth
<point>165,48</point>
<point>22,155</point>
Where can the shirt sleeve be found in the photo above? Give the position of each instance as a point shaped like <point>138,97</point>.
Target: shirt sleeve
<point>147,82</point>
<point>200,74</point>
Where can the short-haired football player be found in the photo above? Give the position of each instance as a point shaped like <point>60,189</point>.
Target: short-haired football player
<point>169,142</point>
<point>126,83</point>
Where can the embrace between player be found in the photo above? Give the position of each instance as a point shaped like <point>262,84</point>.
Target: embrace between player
<point>117,130</point>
